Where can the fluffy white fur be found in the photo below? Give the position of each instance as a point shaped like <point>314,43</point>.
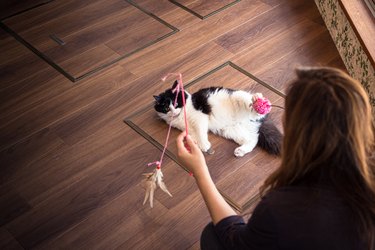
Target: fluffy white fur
<point>232,117</point>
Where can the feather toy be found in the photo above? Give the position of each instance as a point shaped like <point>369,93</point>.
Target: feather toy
<point>155,179</point>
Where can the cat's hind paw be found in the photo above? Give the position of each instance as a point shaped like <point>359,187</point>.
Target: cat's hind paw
<point>210,151</point>
<point>239,152</point>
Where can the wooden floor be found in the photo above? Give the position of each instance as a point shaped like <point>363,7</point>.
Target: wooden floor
<point>77,127</point>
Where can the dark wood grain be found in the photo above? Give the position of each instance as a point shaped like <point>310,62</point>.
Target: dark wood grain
<point>16,128</point>
<point>7,241</point>
<point>48,19</point>
<point>71,169</point>
<point>16,159</point>
<point>112,224</point>
<point>281,70</point>
<point>165,231</point>
<point>42,14</point>
<point>67,164</point>
<point>305,33</point>
<point>169,12</point>
<point>202,33</point>
<point>17,60</point>
<point>204,8</point>
<point>84,195</point>
<point>85,33</point>
<point>265,27</point>
<point>12,205</point>
<point>115,223</point>
<point>12,7</point>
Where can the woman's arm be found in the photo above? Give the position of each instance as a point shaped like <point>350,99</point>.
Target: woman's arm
<point>193,159</point>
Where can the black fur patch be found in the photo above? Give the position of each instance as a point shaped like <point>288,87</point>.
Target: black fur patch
<point>270,138</point>
<point>200,98</point>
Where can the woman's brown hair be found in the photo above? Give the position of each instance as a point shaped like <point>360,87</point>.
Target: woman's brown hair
<point>329,137</point>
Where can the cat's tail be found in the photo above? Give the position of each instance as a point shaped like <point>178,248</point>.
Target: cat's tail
<point>270,138</point>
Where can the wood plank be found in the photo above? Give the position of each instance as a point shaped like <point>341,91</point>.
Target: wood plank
<point>81,40</point>
<point>202,33</point>
<point>141,36</point>
<point>7,241</point>
<point>243,184</point>
<point>9,8</point>
<point>17,62</point>
<point>111,225</point>
<point>119,220</point>
<point>17,159</point>
<point>274,3</point>
<point>170,13</point>
<point>84,35</point>
<point>204,7</point>
<point>195,246</point>
<point>319,51</point>
<point>65,104</point>
<point>30,91</point>
<point>59,168</point>
<point>63,23</point>
<point>81,63</point>
<point>42,14</point>
<point>168,234</point>
<point>3,35</point>
<point>288,42</point>
<point>82,197</point>
<point>267,26</point>
<point>337,63</point>
<point>12,205</point>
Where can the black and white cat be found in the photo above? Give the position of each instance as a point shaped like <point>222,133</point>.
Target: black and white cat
<point>223,111</point>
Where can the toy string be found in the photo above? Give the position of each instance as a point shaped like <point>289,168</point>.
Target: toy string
<point>277,106</point>
<point>177,89</point>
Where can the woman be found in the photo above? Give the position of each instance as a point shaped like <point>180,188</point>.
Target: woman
<point>323,194</point>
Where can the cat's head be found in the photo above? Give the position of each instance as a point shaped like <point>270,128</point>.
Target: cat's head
<point>164,102</point>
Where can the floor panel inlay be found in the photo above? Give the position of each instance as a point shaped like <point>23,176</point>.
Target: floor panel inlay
<point>204,9</point>
<point>90,37</point>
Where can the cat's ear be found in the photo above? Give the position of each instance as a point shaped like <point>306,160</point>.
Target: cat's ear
<point>157,98</point>
<point>174,84</point>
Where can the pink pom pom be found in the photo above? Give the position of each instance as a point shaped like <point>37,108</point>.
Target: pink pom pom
<point>262,105</point>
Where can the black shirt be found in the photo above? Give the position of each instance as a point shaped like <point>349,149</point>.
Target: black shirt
<point>294,218</point>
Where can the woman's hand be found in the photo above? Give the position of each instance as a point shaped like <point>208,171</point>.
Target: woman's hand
<point>192,158</point>
<point>190,155</point>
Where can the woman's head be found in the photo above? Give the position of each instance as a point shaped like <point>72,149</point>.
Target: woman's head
<point>329,139</point>
<point>327,123</point>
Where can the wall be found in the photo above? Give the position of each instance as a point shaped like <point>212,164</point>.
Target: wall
<point>348,45</point>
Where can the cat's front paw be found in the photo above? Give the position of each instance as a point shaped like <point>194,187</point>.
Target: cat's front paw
<point>206,147</point>
<point>239,152</point>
